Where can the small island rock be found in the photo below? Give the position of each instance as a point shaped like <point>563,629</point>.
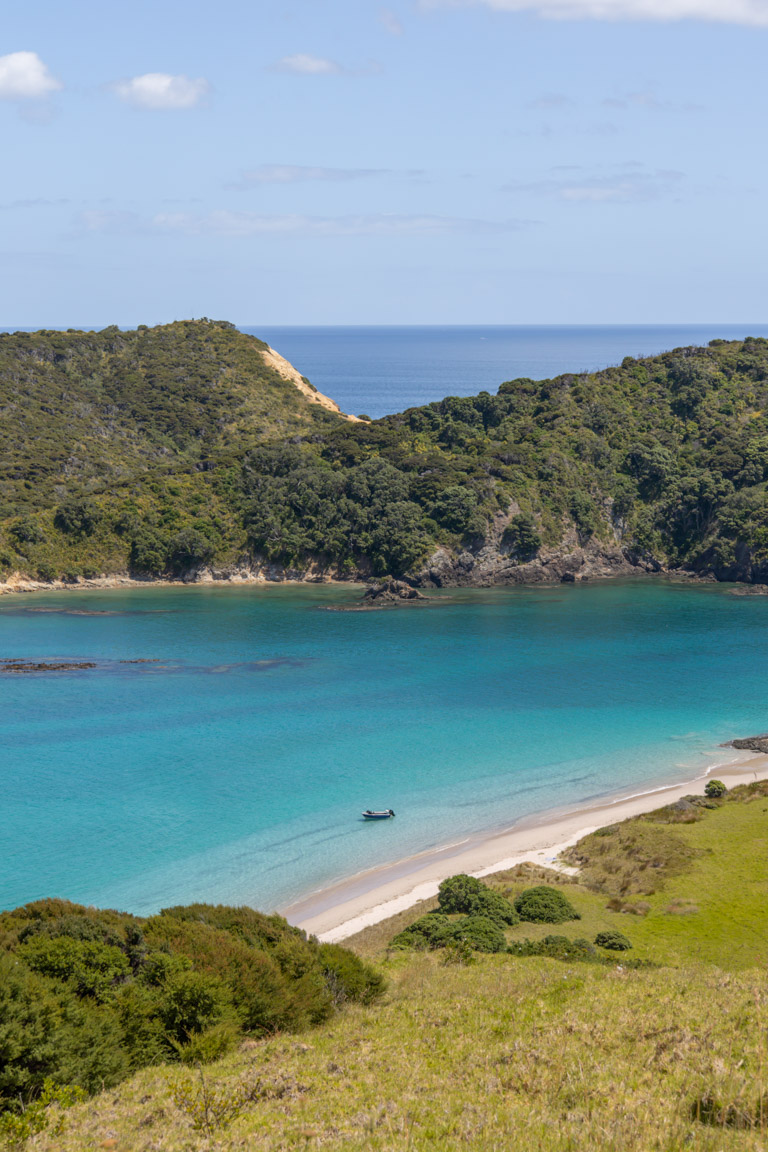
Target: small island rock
<point>390,591</point>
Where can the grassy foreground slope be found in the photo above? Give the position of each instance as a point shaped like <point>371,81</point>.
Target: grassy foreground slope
<point>519,1053</point>
<point>168,449</point>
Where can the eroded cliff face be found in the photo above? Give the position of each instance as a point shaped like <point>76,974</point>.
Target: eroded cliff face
<point>492,562</point>
<point>568,563</point>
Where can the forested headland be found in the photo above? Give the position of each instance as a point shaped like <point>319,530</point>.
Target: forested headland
<point>168,451</point>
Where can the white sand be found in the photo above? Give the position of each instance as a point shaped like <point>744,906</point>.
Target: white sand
<point>372,896</point>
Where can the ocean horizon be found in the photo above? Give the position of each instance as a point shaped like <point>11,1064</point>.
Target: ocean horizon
<point>379,370</point>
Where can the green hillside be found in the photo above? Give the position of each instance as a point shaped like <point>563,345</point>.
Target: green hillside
<point>166,449</point>
<point>539,1046</point>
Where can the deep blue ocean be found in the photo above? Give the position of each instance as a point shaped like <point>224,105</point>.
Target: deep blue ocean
<point>381,370</point>
<point>236,767</point>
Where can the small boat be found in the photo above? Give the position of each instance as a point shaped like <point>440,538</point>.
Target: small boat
<point>369,815</point>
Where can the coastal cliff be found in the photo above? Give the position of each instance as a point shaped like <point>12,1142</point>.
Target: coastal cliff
<point>193,452</point>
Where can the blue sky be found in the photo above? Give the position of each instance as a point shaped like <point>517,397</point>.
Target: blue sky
<point>421,161</point>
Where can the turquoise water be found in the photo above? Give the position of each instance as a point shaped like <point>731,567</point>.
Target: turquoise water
<point>236,769</point>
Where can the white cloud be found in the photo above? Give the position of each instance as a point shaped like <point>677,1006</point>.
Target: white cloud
<point>551,102</point>
<point>298,174</point>
<point>13,205</point>
<point>239,224</point>
<point>302,64</point>
<point>749,12</point>
<point>23,76</point>
<point>161,90</point>
<point>627,184</point>
<point>391,22</point>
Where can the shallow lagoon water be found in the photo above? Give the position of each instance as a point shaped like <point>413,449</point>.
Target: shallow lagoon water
<point>235,769</point>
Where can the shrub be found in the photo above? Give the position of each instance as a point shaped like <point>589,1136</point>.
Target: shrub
<point>92,968</point>
<point>29,1027</point>
<point>496,907</point>
<point>438,931</point>
<point>471,897</point>
<point>192,1002</point>
<point>77,518</point>
<point>149,553</point>
<point>482,933</point>
<point>350,976</point>
<point>209,1045</point>
<point>556,947</point>
<point>26,531</point>
<point>457,892</point>
<point>87,997</point>
<point>521,537</point>
<point>544,905</point>
<point>36,1116</point>
<point>614,941</point>
<point>431,931</point>
<point>188,549</point>
<point>46,572</point>
<point>207,1108</point>
<point>715,789</point>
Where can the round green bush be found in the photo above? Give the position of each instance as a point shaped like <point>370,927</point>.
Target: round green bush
<point>615,941</point>
<point>715,789</point>
<point>495,906</point>
<point>428,932</point>
<point>544,905</point>
<point>457,893</point>
<point>471,897</point>
<point>481,933</point>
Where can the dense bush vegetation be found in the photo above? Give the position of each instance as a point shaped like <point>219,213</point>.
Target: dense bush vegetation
<point>715,789</point>
<point>471,897</point>
<point>435,930</point>
<point>88,996</point>
<point>469,913</point>
<point>544,905</point>
<point>166,448</point>
<point>556,947</point>
<point>613,941</point>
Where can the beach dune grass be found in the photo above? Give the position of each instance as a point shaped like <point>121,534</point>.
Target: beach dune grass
<point>694,891</point>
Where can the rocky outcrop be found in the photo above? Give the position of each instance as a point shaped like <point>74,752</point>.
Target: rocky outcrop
<point>570,562</point>
<point>21,666</point>
<point>389,591</point>
<point>751,743</point>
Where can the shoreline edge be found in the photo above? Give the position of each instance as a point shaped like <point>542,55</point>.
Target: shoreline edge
<point>343,909</point>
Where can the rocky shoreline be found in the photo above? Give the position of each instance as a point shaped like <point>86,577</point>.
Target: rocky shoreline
<point>486,566</point>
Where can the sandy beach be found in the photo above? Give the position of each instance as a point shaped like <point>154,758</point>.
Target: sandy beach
<point>345,908</point>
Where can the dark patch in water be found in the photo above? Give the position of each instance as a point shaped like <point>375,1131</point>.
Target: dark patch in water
<point>252,665</point>
<point>86,611</point>
<point>20,667</point>
<point>140,665</point>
